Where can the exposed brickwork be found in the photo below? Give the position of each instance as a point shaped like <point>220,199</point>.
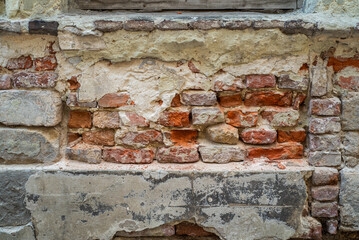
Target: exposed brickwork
<point>114,100</point>
<point>80,119</point>
<point>100,137</point>
<point>175,119</point>
<point>39,80</point>
<point>242,118</point>
<point>277,152</point>
<point>23,62</point>
<point>261,81</point>
<point>268,98</point>
<point>131,156</point>
<point>297,135</point>
<point>184,137</point>
<point>46,63</point>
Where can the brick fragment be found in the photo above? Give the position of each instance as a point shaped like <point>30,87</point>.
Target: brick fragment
<point>74,84</point>
<point>259,135</point>
<point>325,193</point>
<point>139,25</point>
<point>45,63</point>
<point>325,107</point>
<point>281,117</point>
<point>260,81</point>
<point>128,156</point>
<point>139,139</point>
<point>177,154</point>
<point>184,137</point>
<point>325,159</point>
<point>324,125</point>
<point>174,119</point>
<point>223,133</point>
<point>115,100</point>
<point>191,229</point>
<point>23,62</point>
<point>5,81</point>
<point>231,100</point>
<point>227,82</point>
<point>102,119</point>
<point>268,98</point>
<point>293,82</point>
<point>199,98</point>
<point>79,119</point>
<point>277,152</point>
<point>299,100</point>
<point>99,137</point>
<point>324,142</point>
<point>72,101</point>
<point>84,153</point>
<point>242,118</point>
<point>296,135</point>
<point>325,176</point>
<point>176,101</point>
<point>340,63</point>
<point>133,119</point>
<point>39,80</point>
<point>207,115</point>
<point>324,209</point>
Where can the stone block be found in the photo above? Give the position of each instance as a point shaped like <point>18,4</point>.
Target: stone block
<point>325,159</point>
<point>222,153</point>
<point>325,176</point>
<point>350,143</point>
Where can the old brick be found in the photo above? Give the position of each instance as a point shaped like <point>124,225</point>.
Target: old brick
<point>325,159</point>
<point>227,82</point>
<point>115,100</point>
<point>242,118</point>
<point>99,137</point>
<point>325,176</point>
<point>176,101</point>
<point>23,62</point>
<point>325,193</point>
<point>108,26</point>
<point>74,84</point>
<point>319,81</point>
<point>184,137</point>
<point>238,25</point>
<point>260,81</point>
<point>84,153</point>
<point>207,115</point>
<point>72,137</point>
<point>129,156</point>
<point>350,111</point>
<point>206,24</point>
<point>39,80</point>
<point>268,98</point>
<point>199,98</point>
<point>326,209</point>
<point>5,81</point>
<point>133,119</point>
<point>43,27</point>
<point>103,119</point>
<point>293,82</point>
<point>79,119</point>
<point>281,117</point>
<point>191,229</point>
<point>230,100</point>
<point>341,63</point>
<point>139,139</point>
<point>171,25</point>
<point>325,125</point>
<point>223,133</point>
<point>324,142</point>
<point>349,83</point>
<point>222,153</point>
<point>295,135</point>
<point>45,63</point>
<point>350,145</point>
<point>174,119</point>
<point>277,152</point>
<point>259,135</point>
<point>72,101</point>
<point>139,25</point>
<point>325,107</point>
<point>177,154</point>
<point>298,100</point>
<point>351,161</point>
<point>332,226</point>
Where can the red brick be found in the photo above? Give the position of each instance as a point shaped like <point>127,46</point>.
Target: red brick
<point>79,119</point>
<point>325,107</point>
<point>350,83</point>
<point>5,81</point>
<point>326,209</point>
<point>199,98</point>
<point>176,101</point>
<point>184,137</point>
<point>268,98</point>
<point>115,100</point>
<point>74,84</point>
<point>291,135</point>
<point>133,119</point>
<point>325,193</point>
<point>23,62</point>
<point>261,135</point>
<point>140,138</point>
<point>102,119</point>
<point>241,118</point>
<point>299,100</point>
<point>277,152</point>
<point>260,81</point>
<point>174,119</point>
<point>72,137</point>
<point>191,229</point>
<point>129,156</point>
<point>100,137</point>
<point>325,176</point>
<point>341,63</point>
<point>177,154</point>
<point>230,100</point>
<point>46,63</point>
<point>193,67</point>
<point>281,117</point>
<point>39,80</point>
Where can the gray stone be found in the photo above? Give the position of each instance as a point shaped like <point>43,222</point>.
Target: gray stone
<point>10,26</point>
<point>30,108</point>
<point>223,133</point>
<point>324,142</point>
<point>325,159</point>
<point>351,161</point>
<point>350,116</point>
<point>12,194</point>
<point>136,200</point>
<point>85,153</point>
<point>298,83</point>
<point>350,143</point>
<point>211,153</point>
<point>25,232</point>
<point>324,125</point>
<point>108,26</point>
<point>28,146</point>
<point>349,199</point>
<point>207,115</point>
<point>319,81</point>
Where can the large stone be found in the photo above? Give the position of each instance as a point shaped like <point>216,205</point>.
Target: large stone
<point>350,143</point>
<point>30,108</point>
<point>25,232</point>
<point>350,115</point>
<point>28,146</point>
<point>349,199</point>
<point>221,153</point>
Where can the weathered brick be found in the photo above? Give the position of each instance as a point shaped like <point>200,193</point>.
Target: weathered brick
<point>84,153</point>
<point>72,101</point>
<point>177,154</point>
<point>199,98</point>
<point>174,119</point>
<point>139,25</point>
<point>30,108</point>
<point>268,98</point>
<point>350,145</point>
<point>350,114</point>
<point>295,135</point>
<point>80,119</point>
<point>350,83</point>
<point>207,115</point>
<point>325,176</point>
<point>227,82</point>
<point>341,63</point>
<point>72,137</point>
<point>129,156</point>
<point>324,209</point>
<point>115,100</point>
<point>74,84</point>
<point>5,81</point>
<point>325,159</point>
<point>133,119</point>
<point>260,81</point>
<point>184,137</point>
<point>223,133</point>
<point>43,27</point>
<point>351,161</point>
<point>99,137</point>
<point>325,193</point>
<point>222,153</point>
<point>259,135</point>
<point>319,81</point>
<point>325,107</point>
<point>242,118</point>
<point>171,25</point>
<point>324,142</point>
<point>298,100</point>
<point>176,101</point>
<point>191,229</point>
<point>324,125</point>
<point>102,119</point>
<point>230,100</point>
<point>332,226</point>
<point>277,152</point>
<point>206,24</point>
<point>281,117</point>
<point>139,139</point>
<point>45,63</point>
<point>286,81</point>
<point>23,62</point>
<point>108,26</point>
<point>39,80</point>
